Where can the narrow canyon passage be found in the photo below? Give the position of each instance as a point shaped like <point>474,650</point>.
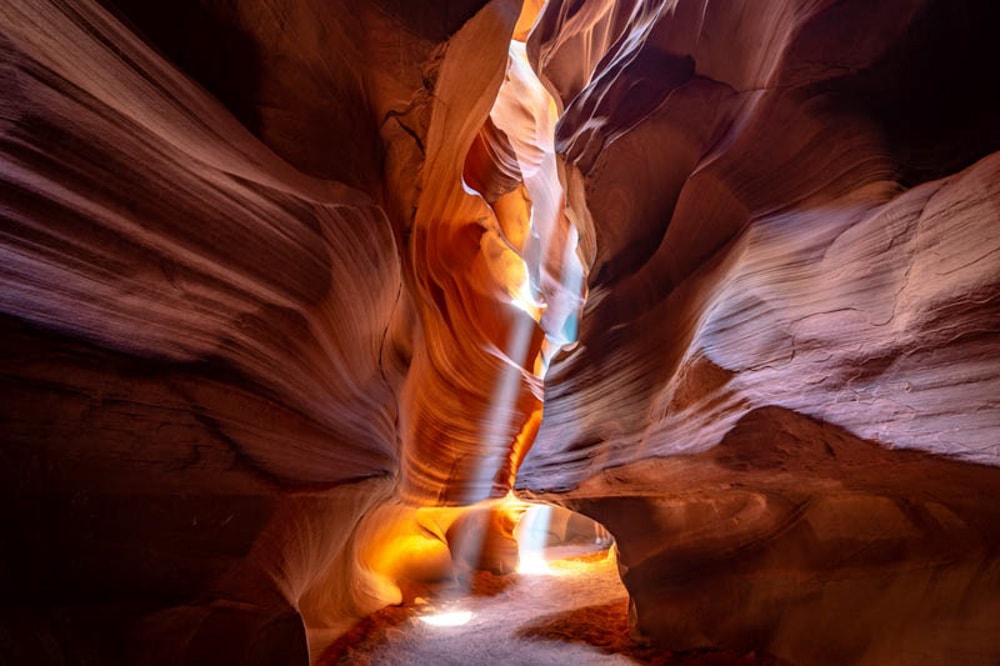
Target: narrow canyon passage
<point>302,303</point>
<point>576,612</point>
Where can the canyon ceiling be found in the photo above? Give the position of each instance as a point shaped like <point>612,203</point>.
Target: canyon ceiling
<point>283,282</point>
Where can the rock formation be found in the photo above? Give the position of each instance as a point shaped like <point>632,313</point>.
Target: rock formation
<point>285,284</point>
<point>793,304</point>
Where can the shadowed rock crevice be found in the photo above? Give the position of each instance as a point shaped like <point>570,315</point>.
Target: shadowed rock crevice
<point>930,141</point>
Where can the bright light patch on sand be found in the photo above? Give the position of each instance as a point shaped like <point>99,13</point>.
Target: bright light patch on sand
<point>534,564</point>
<point>449,619</point>
<point>531,536</point>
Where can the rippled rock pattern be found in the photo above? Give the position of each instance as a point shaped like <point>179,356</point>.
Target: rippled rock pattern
<point>794,300</point>
<point>208,317</point>
<point>277,277</point>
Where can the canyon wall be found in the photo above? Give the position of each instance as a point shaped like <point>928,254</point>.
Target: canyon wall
<point>278,277</point>
<point>222,227</point>
<point>784,402</point>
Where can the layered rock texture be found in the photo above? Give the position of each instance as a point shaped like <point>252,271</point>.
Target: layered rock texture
<point>284,283</point>
<point>788,373</point>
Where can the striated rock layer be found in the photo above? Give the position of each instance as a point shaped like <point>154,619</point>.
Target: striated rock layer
<point>227,230</point>
<point>282,282</point>
<point>785,403</point>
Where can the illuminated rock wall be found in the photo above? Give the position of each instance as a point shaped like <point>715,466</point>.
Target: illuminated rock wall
<point>793,214</point>
<point>222,227</point>
<point>276,273</point>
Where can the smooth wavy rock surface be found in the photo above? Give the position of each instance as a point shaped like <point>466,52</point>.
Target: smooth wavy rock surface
<point>793,251</point>
<point>284,283</point>
<point>209,312</point>
<point>796,539</point>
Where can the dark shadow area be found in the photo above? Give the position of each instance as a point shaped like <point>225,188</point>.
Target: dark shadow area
<point>64,635</point>
<point>435,26</point>
<point>306,104</point>
<point>934,94</point>
<point>205,41</point>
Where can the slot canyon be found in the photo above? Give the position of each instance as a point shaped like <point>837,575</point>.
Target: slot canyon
<point>622,331</point>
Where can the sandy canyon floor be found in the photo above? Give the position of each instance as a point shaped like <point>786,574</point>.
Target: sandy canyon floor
<point>577,614</point>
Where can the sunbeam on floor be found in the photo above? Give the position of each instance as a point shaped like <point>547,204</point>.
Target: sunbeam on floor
<point>577,614</point>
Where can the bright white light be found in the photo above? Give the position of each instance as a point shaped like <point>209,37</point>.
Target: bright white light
<point>525,300</point>
<point>531,537</point>
<point>534,564</point>
<point>450,619</point>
